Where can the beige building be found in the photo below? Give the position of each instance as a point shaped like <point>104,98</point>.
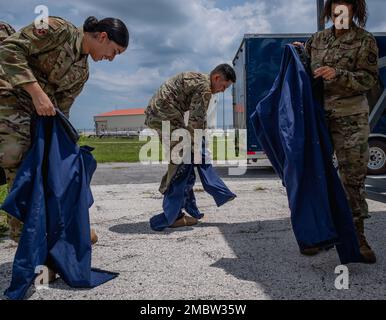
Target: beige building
<point>120,120</point>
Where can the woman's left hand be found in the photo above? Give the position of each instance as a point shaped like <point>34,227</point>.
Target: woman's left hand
<point>327,73</point>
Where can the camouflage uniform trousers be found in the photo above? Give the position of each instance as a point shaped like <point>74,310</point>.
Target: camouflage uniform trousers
<point>15,139</point>
<point>350,136</point>
<point>155,123</point>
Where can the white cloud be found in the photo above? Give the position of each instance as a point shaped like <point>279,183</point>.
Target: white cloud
<point>171,36</point>
<point>195,36</point>
<point>125,82</point>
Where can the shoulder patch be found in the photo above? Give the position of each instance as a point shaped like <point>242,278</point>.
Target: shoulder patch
<point>207,96</point>
<point>55,23</point>
<point>372,58</point>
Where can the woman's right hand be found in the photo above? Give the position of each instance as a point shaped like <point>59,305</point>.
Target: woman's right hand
<point>298,44</point>
<point>42,103</point>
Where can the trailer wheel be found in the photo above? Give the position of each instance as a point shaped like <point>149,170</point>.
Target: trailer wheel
<point>377,163</point>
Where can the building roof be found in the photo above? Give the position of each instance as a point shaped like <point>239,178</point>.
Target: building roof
<point>124,112</point>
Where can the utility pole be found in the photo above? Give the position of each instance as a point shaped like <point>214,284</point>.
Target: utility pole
<point>320,23</point>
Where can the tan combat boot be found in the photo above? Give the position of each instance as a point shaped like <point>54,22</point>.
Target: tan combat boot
<point>313,251</point>
<point>15,228</point>
<point>365,249</point>
<point>4,228</point>
<point>185,221</point>
<point>94,237</point>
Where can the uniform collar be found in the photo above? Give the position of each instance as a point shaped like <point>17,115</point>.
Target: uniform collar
<point>347,37</point>
<point>78,45</point>
<point>207,78</point>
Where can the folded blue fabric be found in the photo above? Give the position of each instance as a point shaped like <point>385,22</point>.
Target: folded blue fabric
<point>51,196</point>
<point>290,125</point>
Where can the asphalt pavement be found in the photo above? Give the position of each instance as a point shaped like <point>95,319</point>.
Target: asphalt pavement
<point>244,250</point>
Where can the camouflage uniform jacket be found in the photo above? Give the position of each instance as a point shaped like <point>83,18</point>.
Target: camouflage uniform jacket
<point>52,57</point>
<point>188,91</point>
<point>354,55</point>
<point>5,30</point>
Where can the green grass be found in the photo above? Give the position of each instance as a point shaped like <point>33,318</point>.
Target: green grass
<point>3,193</point>
<point>127,149</point>
<point>115,149</point>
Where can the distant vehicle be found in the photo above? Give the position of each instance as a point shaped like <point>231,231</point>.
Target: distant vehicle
<point>257,64</point>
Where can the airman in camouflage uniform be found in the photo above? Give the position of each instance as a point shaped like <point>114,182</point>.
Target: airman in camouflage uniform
<point>53,58</point>
<point>182,93</point>
<point>354,56</point>
<point>5,31</point>
<point>188,91</point>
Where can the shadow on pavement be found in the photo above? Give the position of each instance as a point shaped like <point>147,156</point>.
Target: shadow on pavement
<point>267,254</point>
<point>143,228</point>
<point>5,278</point>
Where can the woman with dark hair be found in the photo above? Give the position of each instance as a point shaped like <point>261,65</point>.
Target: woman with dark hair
<point>43,68</point>
<point>345,56</point>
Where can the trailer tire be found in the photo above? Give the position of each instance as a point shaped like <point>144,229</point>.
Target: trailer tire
<point>377,163</point>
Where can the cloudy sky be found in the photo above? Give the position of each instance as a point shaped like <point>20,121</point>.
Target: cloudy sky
<point>171,36</point>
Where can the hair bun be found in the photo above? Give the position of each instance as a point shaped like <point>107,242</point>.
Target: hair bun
<point>90,24</point>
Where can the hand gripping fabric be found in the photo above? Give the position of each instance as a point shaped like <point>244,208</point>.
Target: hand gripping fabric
<point>290,125</point>
<point>51,196</point>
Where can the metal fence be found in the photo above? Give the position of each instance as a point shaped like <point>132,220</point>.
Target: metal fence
<point>118,132</point>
